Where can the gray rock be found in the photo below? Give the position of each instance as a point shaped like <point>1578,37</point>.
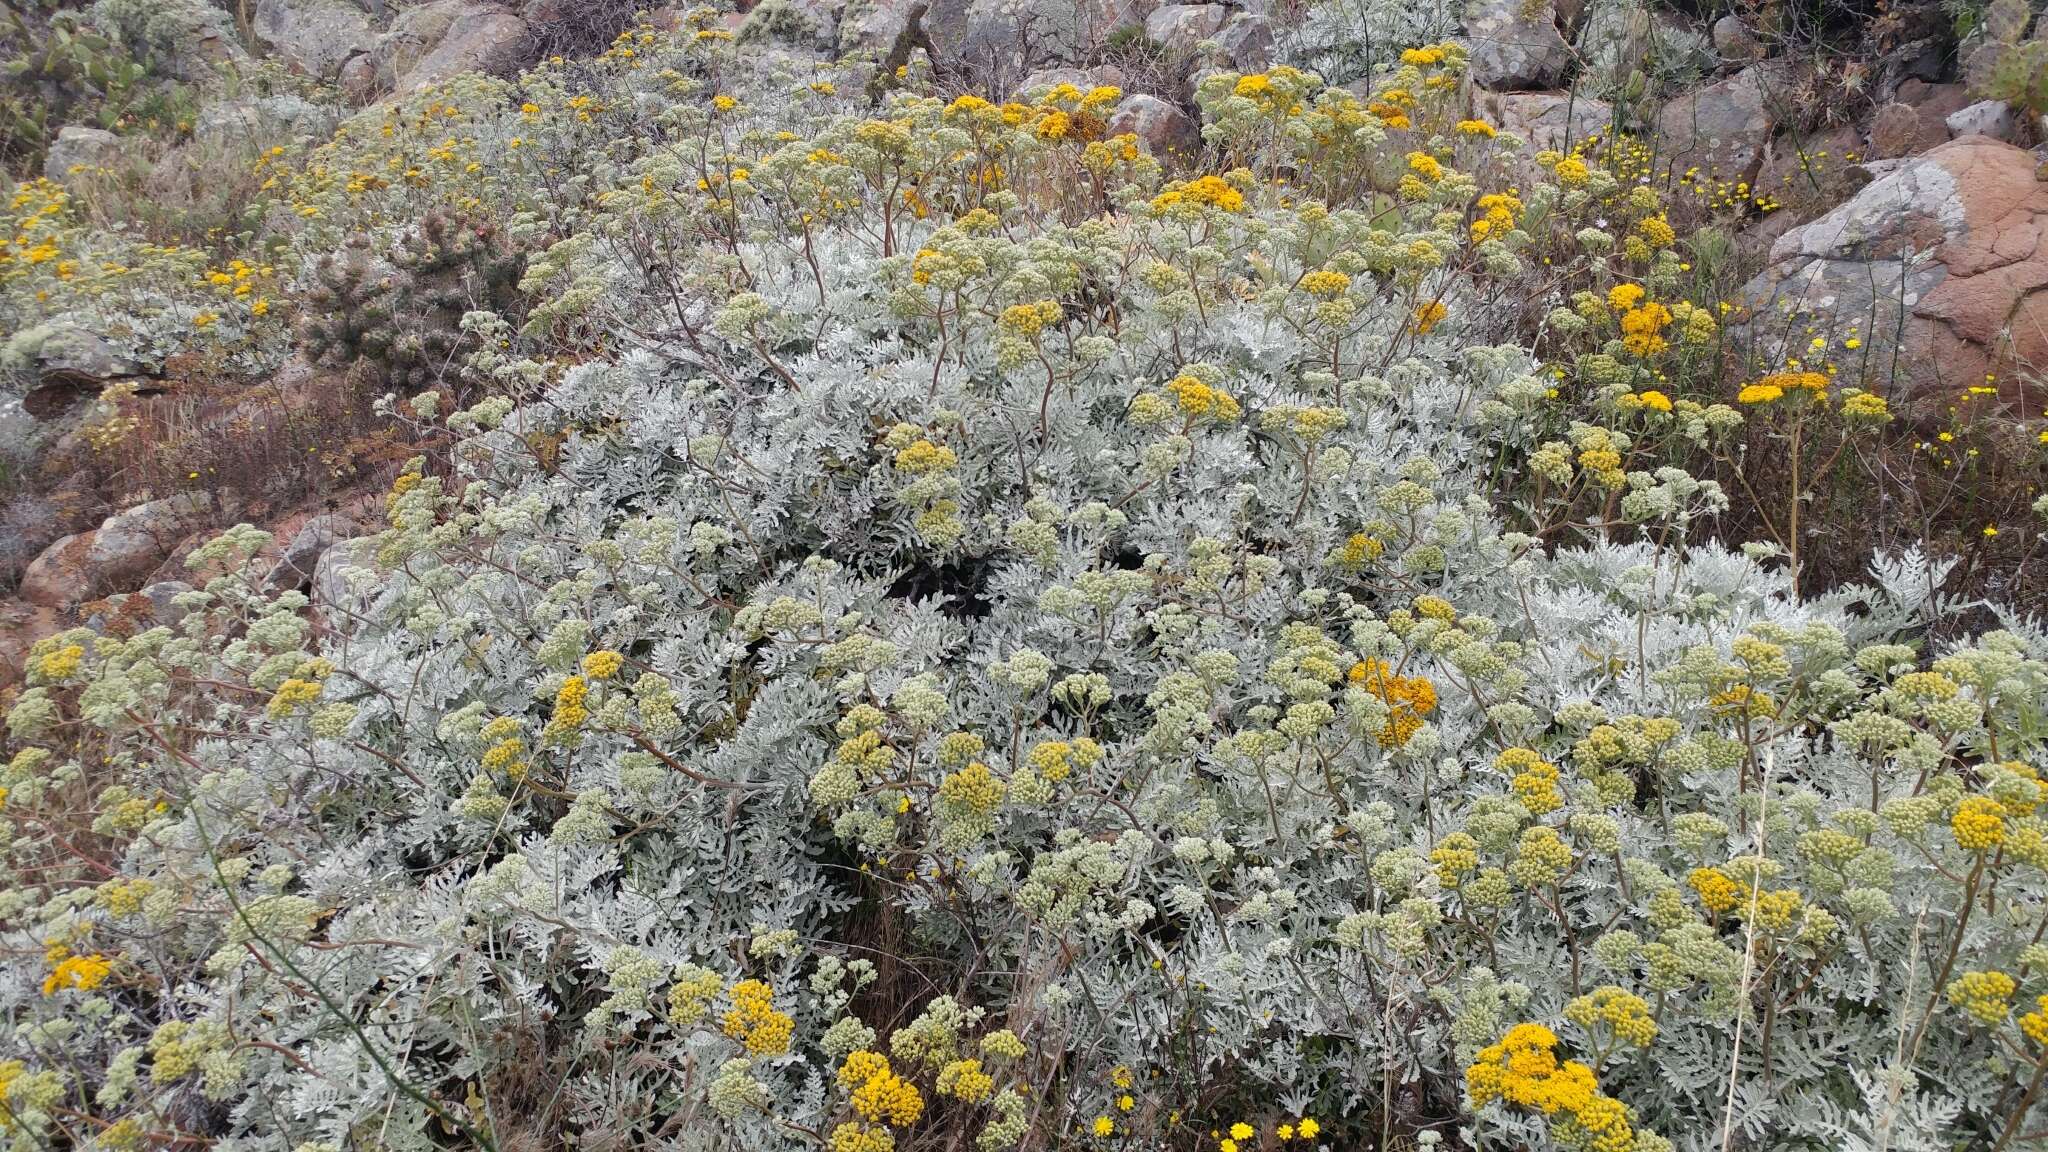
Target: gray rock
<point>1515,44</point>
<point>1618,40</point>
<point>1548,119</point>
<point>249,124</point>
<point>1735,41</point>
<point>300,561</point>
<point>1163,127</point>
<point>315,37</point>
<point>78,152</point>
<point>358,80</point>
<point>153,606</point>
<point>1046,79</point>
<point>445,38</point>
<point>345,581</point>
<point>1993,118</point>
<point>66,352</point>
<point>1724,126</point>
<point>1246,40</point>
<point>1177,28</point>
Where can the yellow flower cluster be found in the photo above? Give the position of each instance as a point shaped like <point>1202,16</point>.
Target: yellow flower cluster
<point>603,664</point>
<point>965,1080</point>
<point>923,458</point>
<point>1523,1070</point>
<point>1779,385</point>
<point>1325,282</point>
<point>1428,315</point>
<point>879,1094</point>
<point>1979,823</point>
<point>754,1022</point>
<point>293,695</point>
<point>1030,319</point>
<point>1056,759</point>
<point>1199,401</point>
<point>1985,996</point>
<point>1499,212</point>
<point>1408,699</point>
<point>570,711</point>
<point>1624,1014</point>
<point>974,788</point>
<point>2035,1024</point>
<point>60,663</point>
<point>84,973</point>
<point>1534,780</point>
<point>1203,192</point>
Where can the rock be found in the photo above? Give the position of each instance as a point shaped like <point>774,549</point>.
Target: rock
<point>132,613</point>
<point>445,38</point>
<point>300,561</point>
<point>1895,131</point>
<point>1163,127</point>
<point>1177,28</point>
<point>1816,167</point>
<point>1735,41</point>
<point>1515,44</point>
<point>1723,127</point>
<point>79,152</point>
<point>1618,40</point>
<point>1246,41</point>
<point>1548,119</point>
<point>250,124</point>
<point>1046,79</point>
<point>341,570</point>
<point>358,80</point>
<point>1976,304</point>
<point>114,556</point>
<point>1993,118</point>
<point>315,37</point>
<point>69,357</point>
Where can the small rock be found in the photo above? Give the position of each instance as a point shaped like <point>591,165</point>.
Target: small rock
<point>1046,79</point>
<point>358,80</point>
<point>1548,119</point>
<point>315,37</point>
<point>300,560</point>
<point>1993,118</point>
<point>1735,41</point>
<point>1515,44</point>
<point>78,152</point>
<point>1895,131</point>
<point>129,613</point>
<point>336,578</point>
<point>1163,127</point>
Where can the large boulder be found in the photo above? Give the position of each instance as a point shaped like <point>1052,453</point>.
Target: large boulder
<point>1722,128</point>
<point>1620,39</point>
<point>315,37</point>
<point>1515,44</point>
<point>79,152</point>
<point>1547,119</point>
<point>445,38</point>
<point>1177,28</point>
<point>246,125</point>
<point>1164,128</point>
<point>117,555</point>
<point>1949,251</point>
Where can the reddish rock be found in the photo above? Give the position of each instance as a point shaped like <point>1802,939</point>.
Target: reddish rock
<point>1949,251</point>
<point>116,556</point>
